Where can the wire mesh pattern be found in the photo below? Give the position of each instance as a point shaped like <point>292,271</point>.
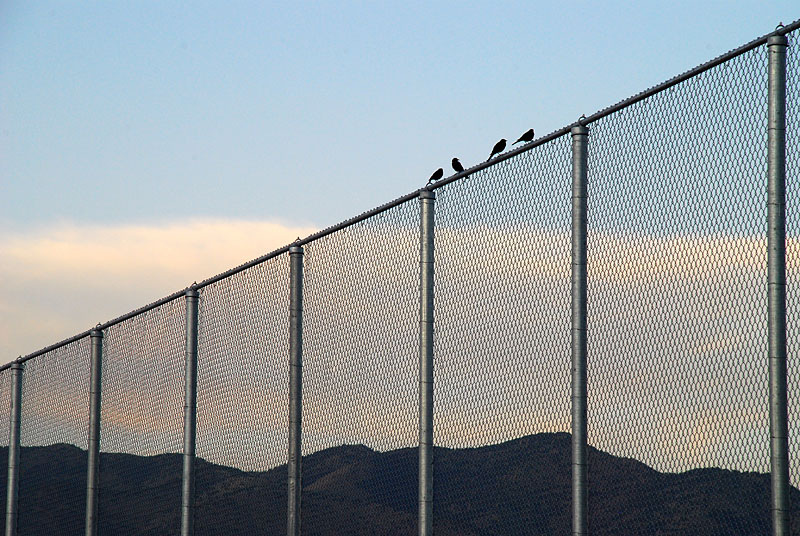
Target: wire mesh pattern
<point>501,345</point>
<point>793,253</point>
<point>142,415</point>
<point>677,279</point>
<point>360,344</point>
<point>678,401</point>
<point>242,402</point>
<point>5,403</point>
<point>53,437</point>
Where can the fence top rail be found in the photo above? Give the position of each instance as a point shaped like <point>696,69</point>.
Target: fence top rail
<point>691,73</point>
<point>228,273</point>
<point>584,120</point>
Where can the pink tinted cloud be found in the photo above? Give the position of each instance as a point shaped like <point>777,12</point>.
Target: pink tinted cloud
<point>61,280</point>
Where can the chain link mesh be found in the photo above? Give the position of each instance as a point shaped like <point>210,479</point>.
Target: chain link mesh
<point>5,414</point>
<point>501,345</point>
<point>53,440</point>
<point>678,418</point>
<point>243,401</point>
<point>360,355</point>
<point>142,416</point>
<point>677,303</point>
<point>793,258</point>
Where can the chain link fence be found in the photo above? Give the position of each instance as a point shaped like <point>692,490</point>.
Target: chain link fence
<point>502,321</point>
<point>793,253</point>
<point>242,402</point>
<point>360,337</point>
<point>5,402</point>
<point>678,382</point>
<point>142,421</point>
<point>677,273</point>
<point>53,435</point>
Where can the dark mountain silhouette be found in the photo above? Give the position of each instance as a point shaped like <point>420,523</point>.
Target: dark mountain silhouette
<point>514,488</point>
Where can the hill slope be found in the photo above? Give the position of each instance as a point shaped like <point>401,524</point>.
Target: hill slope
<point>514,488</point>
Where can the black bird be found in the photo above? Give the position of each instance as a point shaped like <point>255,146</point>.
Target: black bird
<point>457,165</point>
<point>438,174</point>
<point>499,147</point>
<point>528,136</point>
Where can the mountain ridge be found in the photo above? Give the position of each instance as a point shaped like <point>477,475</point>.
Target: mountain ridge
<point>521,486</point>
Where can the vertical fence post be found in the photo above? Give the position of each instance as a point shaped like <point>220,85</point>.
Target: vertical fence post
<point>93,463</point>
<point>189,414</point>
<point>12,495</point>
<point>295,388</point>
<point>580,138</point>
<point>776,267</point>
<point>426,199</point>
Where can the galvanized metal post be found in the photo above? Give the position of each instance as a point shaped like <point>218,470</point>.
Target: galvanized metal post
<point>426,199</point>
<point>12,495</point>
<point>295,388</point>
<point>189,414</point>
<point>776,267</point>
<point>93,466</point>
<point>580,139</point>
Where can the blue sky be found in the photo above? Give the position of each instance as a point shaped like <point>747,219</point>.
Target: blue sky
<point>308,112</point>
<point>145,145</point>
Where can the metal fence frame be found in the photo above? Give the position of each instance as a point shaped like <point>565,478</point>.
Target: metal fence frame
<point>776,42</point>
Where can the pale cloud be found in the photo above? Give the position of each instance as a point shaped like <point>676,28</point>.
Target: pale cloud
<point>62,280</point>
<point>677,368</point>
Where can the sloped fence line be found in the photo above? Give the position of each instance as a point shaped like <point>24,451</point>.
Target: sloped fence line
<point>676,254</point>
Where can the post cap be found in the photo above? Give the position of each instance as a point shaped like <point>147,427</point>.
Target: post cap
<point>425,193</point>
<point>579,130</point>
<point>295,250</point>
<point>777,40</point>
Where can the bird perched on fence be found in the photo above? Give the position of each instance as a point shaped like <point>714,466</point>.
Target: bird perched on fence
<point>438,174</point>
<point>499,147</point>
<point>457,165</point>
<point>528,136</point>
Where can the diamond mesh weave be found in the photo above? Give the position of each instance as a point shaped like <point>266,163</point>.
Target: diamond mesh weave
<point>501,344</point>
<point>793,257</point>
<point>142,415</point>
<point>5,404</point>
<point>677,299</point>
<point>242,402</point>
<point>360,355</point>
<point>678,393</point>
<point>53,439</point>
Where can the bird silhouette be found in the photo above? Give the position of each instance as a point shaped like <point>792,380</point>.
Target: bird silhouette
<point>438,174</point>
<point>528,136</point>
<point>457,165</point>
<point>499,147</point>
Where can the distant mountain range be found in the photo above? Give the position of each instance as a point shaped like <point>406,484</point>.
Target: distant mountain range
<point>514,488</point>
